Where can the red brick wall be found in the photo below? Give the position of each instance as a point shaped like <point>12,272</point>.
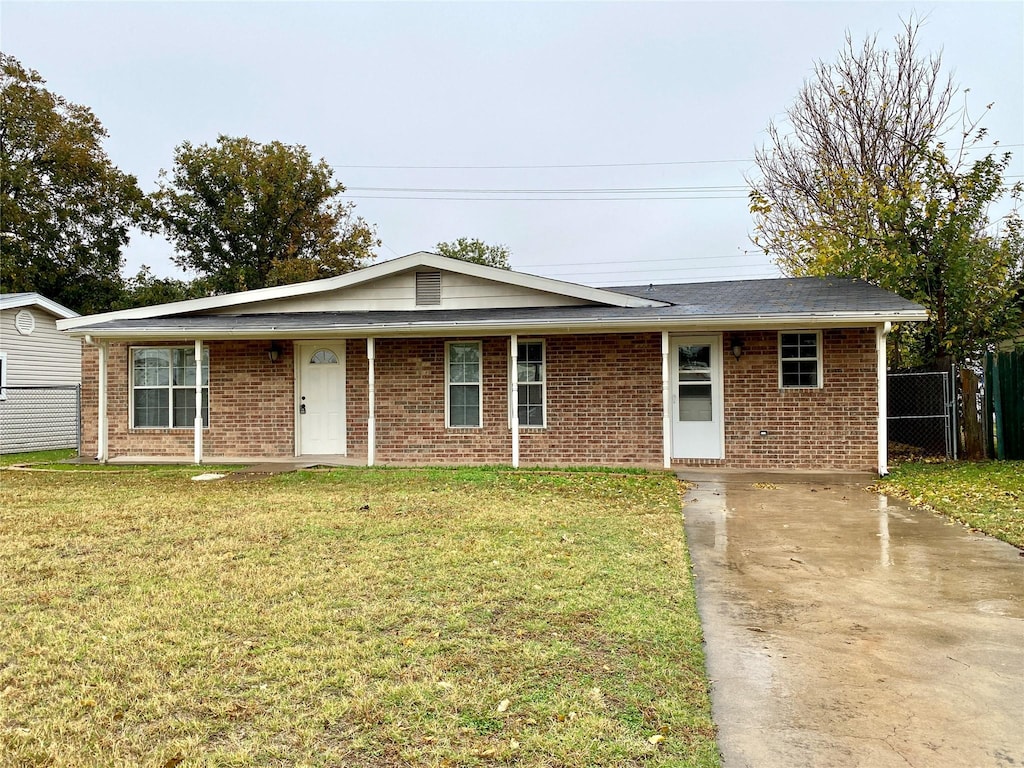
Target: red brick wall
<point>251,404</point>
<point>410,405</point>
<point>603,401</point>
<point>835,427</point>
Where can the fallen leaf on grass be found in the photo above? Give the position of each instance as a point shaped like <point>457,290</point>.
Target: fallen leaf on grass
<point>656,739</point>
<point>503,705</point>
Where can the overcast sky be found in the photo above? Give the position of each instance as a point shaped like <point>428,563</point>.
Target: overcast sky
<point>499,96</point>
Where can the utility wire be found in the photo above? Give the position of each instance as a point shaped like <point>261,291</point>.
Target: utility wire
<point>543,199</point>
<point>568,191</point>
<point>580,165</point>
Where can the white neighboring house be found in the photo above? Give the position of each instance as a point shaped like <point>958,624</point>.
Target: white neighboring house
<point>40,375</point>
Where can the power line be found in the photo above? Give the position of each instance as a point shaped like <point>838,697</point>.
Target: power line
<point>539,167</point>
<point>543,199</point>
<point>627,268</point>
<point>567,191</point>
<point>580,165</point>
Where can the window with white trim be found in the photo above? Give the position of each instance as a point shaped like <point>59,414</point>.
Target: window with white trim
<point>463,383</point>
<point>164,387</point>
<point>531,381</point>
<point>800,360</point>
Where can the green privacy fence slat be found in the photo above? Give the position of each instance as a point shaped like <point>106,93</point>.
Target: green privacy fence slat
<point>1004,394</point>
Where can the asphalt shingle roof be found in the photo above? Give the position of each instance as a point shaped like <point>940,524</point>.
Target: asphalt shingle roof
<point>747,299</point>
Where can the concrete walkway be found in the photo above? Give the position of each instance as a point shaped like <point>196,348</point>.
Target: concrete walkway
<point>845,629</point>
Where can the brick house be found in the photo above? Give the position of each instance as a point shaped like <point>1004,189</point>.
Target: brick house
<point>428,360</point>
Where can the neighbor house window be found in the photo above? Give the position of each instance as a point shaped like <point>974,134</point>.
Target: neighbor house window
<point>800,359</point>
<point>463,378</point>
<point>530,378</point>
<point>164,387</point>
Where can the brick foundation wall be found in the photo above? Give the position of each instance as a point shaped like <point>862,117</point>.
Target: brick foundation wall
<point>251,404</point>
<point>835,427</point>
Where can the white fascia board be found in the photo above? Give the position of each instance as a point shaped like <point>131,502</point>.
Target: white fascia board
<point>37,300</point>
<point>366,274</point>
<point>504,327</point>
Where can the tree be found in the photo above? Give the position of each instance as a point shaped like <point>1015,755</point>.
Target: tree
<point>65,210</point>
<point>247,215</point>
<point>476,251</point>
<point>861,183</point>
<point>145,289</point>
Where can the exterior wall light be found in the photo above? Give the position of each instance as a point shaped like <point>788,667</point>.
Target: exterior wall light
<point>737,348</point>
<point>274,353</point>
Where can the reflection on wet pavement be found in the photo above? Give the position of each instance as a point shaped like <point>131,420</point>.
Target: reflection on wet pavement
<point>847,629</point>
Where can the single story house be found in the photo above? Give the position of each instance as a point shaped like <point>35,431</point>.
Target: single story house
<point>429,360</point>
<point>40,373</point>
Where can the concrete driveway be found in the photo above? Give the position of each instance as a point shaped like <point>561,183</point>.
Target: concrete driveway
<point>847,629</point>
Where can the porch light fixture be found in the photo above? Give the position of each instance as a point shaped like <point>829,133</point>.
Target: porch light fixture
<point>274,353</point>
<point>737,347</point>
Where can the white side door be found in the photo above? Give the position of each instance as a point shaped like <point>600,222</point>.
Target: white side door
<point>698,425</point>
<point>321,396</point>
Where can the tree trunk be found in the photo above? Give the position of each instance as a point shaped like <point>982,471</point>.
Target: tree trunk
<point>974,434</point>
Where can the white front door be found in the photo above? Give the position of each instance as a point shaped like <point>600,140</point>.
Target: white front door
<point>321,393</point>
<point>697,412</point>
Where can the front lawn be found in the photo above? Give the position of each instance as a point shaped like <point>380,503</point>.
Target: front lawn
<point>348,618</point>
<point>37,457</point>
<point>988,496</point>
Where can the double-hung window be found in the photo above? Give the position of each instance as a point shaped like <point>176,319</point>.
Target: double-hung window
<point>462,381</point>
<point>530,379</point>
<point>800,360</point>
<point>164,387</point>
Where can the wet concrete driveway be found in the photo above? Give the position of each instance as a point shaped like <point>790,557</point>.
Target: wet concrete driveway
<point>845,629</point>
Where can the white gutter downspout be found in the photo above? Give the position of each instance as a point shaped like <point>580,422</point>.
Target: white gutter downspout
<point>102,453</point>
<point>198,441</point>
<point>881,333</point>
<point>666,419</point>
<point>513,398</point>
<point>371,393</point>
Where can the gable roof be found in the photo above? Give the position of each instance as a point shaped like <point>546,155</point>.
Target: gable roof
<point>16,300</point>
<point>368,274</point>
<point>736,305</point>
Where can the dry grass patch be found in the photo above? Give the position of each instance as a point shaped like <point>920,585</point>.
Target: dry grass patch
<point>357,618</point>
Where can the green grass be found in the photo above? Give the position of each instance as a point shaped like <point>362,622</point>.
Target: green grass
<point>352,617</point>
<point>987,496</point>
<point>37,457</point>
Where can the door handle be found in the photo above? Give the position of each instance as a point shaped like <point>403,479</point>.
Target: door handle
<point>302,408</point>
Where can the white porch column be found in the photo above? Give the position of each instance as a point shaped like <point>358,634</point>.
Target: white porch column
<point>666,417</point>
<point>198,440</point>
<point>371,420</point>
<point>101,425</point>
<point>881,332</point>
<point>513,397</point>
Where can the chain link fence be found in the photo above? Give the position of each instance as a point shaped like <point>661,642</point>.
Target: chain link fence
<point>40,418</point>
<point>921,415</point>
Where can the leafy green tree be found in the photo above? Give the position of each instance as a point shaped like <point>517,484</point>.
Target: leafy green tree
<point>476,251</point>
<point>146,289</point>
<point>247,215</point>
<point>65,210</point>
<point>859,182</point>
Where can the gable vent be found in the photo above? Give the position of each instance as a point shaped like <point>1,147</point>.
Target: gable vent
<point>24,322</point>
<point>428,288</point>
